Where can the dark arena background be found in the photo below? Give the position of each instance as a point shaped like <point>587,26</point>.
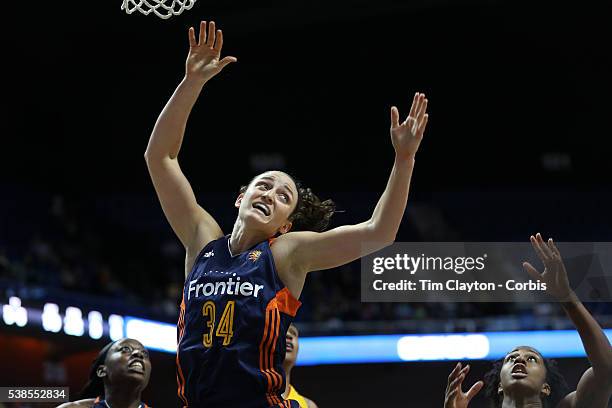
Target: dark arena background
<point>518,142</point>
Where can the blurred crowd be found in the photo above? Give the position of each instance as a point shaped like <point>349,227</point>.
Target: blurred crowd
<point>69,253</point>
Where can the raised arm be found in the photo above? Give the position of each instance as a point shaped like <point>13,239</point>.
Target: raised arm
<point>454,397</point>
<point>191,223</point>
<point>310,251</point>
<point>595,387</point>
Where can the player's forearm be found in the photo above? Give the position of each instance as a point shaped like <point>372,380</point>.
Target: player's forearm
<point>389,211</point>
<point>595,342</point>
<point>167,135</point>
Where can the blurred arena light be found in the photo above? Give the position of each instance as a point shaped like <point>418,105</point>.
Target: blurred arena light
<point>51,319</point>
<point>115,327</point>
<point>440,347</point>
<point>153,335</point>
<point>95,325</point>
<point>392,348</point>
<point>73,322</point>
<point>14,313</point>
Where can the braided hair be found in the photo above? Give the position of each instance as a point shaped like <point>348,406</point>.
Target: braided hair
<point>558,386</point>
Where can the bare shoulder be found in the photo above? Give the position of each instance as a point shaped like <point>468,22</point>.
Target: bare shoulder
<point>283,247</point>
<point>291,274</point>
<point>295,237</point>
<point>286,244</point>
<point>86,403</point>
<point>311,403</point>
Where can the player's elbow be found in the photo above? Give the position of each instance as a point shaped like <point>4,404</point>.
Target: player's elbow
<point>148,155</point>
<point>153,158</point>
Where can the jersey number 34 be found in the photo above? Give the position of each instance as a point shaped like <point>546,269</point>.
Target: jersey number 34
<point>225,328</point>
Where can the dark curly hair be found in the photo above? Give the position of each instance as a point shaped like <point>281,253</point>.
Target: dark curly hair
<point>310,213</point>
<point>558,386</point>
<point>95,385</point>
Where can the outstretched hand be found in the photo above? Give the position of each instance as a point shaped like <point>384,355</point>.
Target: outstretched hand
<point>406,136</point>
<point>454,396</point>
<point>554,275</point>
<point>203,61</point>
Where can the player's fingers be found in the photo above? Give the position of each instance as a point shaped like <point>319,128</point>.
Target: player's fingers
<point>422,125</point>
<point>453,374</point>
<point>456,383</point>
<point>210,38</point>
<point>422,110</point>
<point>417,108</point>
<point>202,36</point>
<point>226,61</point>
<point>474,390</point>
<point>553,247</point>
<point>460,380</point>
<point>413,107</point>
<point>219,41</point>
<point>192,39</point>
<point>533,272</point>
<point>537,248</point>
<point>394,117</point>
<point>547,251</point>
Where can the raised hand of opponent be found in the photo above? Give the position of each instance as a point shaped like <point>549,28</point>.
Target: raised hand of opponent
<point>454,396</point>
<point>554,275</point>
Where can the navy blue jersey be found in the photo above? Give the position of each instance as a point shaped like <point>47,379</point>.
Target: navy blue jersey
<point>231,330</point>
<point>98,403</point>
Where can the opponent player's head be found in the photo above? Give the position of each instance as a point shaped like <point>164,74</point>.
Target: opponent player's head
<point>292,347</point>
<point>525,373</point>
<point>120,364</point>
<point>275,203</point>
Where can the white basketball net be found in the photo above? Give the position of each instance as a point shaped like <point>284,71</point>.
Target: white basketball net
<point>162,8</point>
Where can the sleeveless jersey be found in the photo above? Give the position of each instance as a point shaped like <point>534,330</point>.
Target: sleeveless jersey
<point>98,403</point>
<point>231,332</point>
<point>294,395</point>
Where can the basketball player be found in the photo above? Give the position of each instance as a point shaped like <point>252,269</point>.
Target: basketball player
<point>293,347</point>
<point>524,377</point>
<point>241,290</point>
<point>117,377</point>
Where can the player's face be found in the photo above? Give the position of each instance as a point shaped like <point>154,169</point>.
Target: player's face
<point>128,360</point>
<point>524,372</point>
<point>292,345</point>
<point>269,201</point>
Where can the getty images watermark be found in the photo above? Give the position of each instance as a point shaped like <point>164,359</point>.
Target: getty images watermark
<point>480,272</point>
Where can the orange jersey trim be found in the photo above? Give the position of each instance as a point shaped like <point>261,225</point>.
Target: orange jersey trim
<point>180,378</point>
<point>287,303</point>
<point>266,352</point>
<point>283,302</point>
